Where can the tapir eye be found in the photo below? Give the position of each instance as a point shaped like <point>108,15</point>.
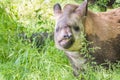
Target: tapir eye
<point>76,28</point>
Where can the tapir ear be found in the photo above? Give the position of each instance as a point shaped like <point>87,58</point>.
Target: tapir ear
<point>57,9</point>
<point>82,9</point>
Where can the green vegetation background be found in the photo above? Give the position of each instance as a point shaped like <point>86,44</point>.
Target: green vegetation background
<point>21,60</point>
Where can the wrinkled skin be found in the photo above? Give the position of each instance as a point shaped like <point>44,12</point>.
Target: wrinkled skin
<point>103,29</point>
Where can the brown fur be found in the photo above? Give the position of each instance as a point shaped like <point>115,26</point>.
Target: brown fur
<point>103,29</point>
<point>105,25</point>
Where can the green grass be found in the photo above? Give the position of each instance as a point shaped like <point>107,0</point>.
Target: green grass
<point>21,60</point>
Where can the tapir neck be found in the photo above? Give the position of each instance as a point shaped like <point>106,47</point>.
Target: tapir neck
<point>89,22</point>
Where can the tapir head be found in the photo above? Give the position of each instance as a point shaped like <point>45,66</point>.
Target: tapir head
<point>69,25</point>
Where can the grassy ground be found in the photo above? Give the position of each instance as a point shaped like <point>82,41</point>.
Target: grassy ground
<point>21,60</point>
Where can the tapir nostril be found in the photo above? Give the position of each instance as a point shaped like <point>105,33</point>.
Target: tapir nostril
<point>70,35</point>
<point>67,36</point>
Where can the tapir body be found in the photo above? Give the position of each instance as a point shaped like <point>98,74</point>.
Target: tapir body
<point>102,29</point>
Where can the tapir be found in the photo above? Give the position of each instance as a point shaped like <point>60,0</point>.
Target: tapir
<point>102,29</point>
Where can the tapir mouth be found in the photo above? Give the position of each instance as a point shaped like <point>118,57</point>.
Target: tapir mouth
<point>66,43</point>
